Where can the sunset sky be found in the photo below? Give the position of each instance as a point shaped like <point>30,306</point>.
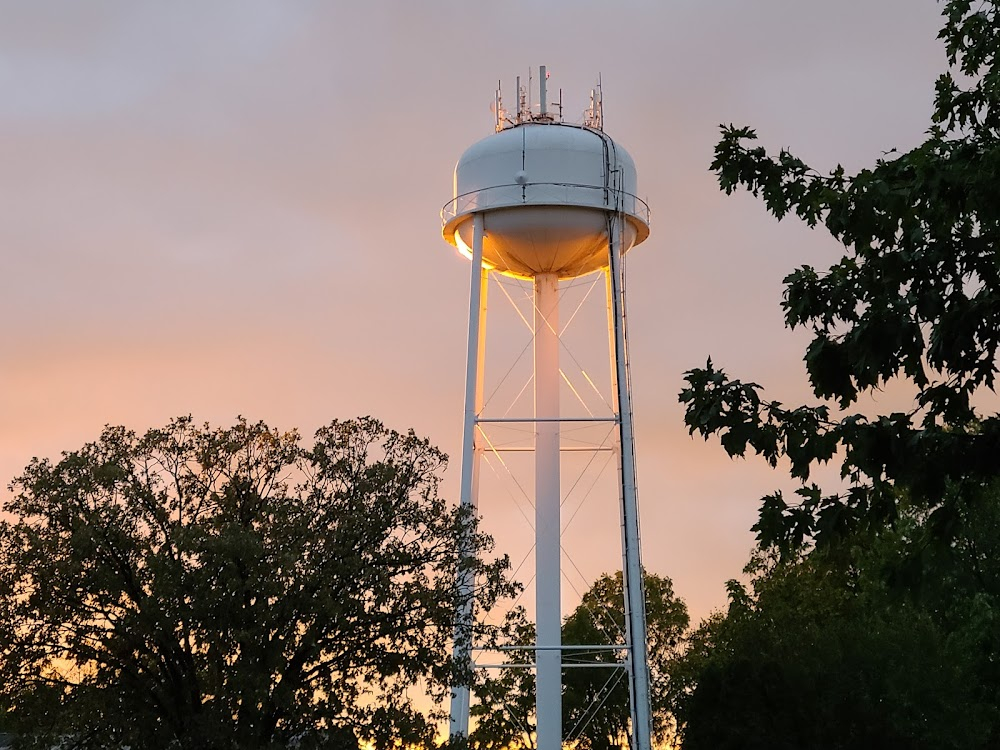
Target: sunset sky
<point>232,207</point>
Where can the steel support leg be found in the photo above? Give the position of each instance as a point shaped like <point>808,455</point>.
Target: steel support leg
<point>548,615</point>
<point>635,601</point>
<point>471,454</point>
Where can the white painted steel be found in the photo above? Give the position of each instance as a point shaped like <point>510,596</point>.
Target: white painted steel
<point>529,420</point>
<point>563,449</point>
<point>571,665</point>
<point>472,449</point>
<point>564,647</point>
<point>635,600</point>
<point>548,613</point>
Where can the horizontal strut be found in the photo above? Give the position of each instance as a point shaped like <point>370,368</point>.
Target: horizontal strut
<point>562,449</point>
<point>570,665</point>
<point>564,647</point>
<point>531,420</point>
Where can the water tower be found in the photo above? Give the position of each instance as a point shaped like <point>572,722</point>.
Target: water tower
<point>549,201</point>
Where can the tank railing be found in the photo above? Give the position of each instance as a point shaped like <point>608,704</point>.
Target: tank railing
<point>545,193</point>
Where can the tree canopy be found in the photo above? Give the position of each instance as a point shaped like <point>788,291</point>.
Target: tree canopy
<point>915,298</point>
<point>871,616</point>
<point>825,650</point>
<point>225,588</point>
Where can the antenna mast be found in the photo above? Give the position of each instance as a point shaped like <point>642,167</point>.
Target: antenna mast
<point>541,91</point>
<point>528,112</point>
<point>594,117</point>
<point>501,116</point>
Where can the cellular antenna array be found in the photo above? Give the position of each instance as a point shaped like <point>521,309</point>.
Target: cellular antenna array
<point>525,113</point>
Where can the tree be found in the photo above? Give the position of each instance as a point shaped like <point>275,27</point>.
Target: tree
<point>916,297</point>
<point>595,699</point>
<point>231,588</point>
<point>872,616</point>
<point>504,711</point>
<point>820,652</point>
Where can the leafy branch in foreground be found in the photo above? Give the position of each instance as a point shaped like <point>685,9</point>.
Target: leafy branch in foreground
<point>916,297</point>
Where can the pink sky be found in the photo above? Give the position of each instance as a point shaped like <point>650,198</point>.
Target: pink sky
<point>232,208</point>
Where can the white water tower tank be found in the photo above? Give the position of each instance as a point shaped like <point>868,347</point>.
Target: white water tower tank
<point>546,190</point>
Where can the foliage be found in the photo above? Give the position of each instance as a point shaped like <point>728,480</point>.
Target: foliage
<point>872,616</point>
<point>504,711</point>
<point>595,700</point>
<point>231,588</point>
<point>916,297</point>
<point>824,651</point>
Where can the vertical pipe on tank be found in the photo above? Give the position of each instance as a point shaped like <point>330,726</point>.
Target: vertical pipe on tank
<point>472,449</point>
<point>548,617</point>
<point>635,600</point>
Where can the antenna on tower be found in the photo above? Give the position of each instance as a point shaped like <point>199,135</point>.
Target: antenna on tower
<point>528,112</point>
<point>498,110</point>
<point>600,103</point>
<point>594,117</point>
<point>521,108</point>
<point>544,115</point>
<point>541,91</point>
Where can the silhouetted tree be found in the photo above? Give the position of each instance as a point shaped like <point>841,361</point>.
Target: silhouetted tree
<point>826,650</point>
<point>232,588</point>
<point>872,617</point>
